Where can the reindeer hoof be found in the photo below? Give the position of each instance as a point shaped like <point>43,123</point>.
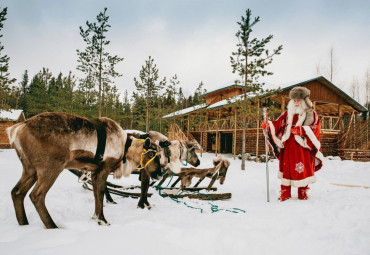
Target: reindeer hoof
<point>144,205</point>
<point>103,223</point>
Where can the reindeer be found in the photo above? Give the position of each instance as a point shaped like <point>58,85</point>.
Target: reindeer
<point>177,151</point>
<point>50,142</point>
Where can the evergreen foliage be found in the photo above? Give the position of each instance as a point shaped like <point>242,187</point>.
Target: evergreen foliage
<point>148,87</point>
<point>6,92</point>
<point>249,62</point>
<point>95,62</point>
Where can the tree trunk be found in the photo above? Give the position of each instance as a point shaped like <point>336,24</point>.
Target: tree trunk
<point>244,110</point>
<point>100,74</point>
<point>243,144</point>
<point>147,118</point>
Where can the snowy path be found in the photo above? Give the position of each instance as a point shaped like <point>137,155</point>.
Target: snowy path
<point>335,220</point>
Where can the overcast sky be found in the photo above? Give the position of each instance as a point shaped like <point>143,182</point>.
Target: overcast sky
<point>193,39</point>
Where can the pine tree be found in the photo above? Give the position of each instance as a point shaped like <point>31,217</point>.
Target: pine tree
<point>149,86</point>
<point>37,97</point>
<point>250,61</point>
<point>95,62</point>
<point>197,99</point>
<point>24,87</point>
<point>181,99</point>
<point>139,111</point>
<point>171,92</point>
<point>127,113</point>
<point>5,80</point>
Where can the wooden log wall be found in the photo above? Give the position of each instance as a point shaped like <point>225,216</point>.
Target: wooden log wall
<point>4,141</point>
<point>328,142</point>
<point>250,143</point>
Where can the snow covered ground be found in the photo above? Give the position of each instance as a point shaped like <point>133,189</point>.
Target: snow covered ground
<point>335,220</point>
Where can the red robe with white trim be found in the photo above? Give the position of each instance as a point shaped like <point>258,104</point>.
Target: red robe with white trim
<point>299,155</point>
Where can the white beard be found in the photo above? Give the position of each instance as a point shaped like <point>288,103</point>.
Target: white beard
<point>293,109</point>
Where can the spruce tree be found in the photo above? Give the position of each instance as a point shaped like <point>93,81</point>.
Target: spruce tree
<point>181,99</point>
<point>197,98</point>
<point>37,96</point>
<point>24,87</point>
<point>95,62</point>
<point>249,61</point>
<point>149,86</point>
<point>5,80</point>
<point>171,92</point>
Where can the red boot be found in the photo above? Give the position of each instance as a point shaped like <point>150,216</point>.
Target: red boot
<point>302,193</point>
<point>285,193</point>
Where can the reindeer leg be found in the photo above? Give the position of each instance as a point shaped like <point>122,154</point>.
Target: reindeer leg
<point>99,180</point>
<point>108,197</point>
<point>143,202</point>
<point>19,191</point>
<point>43,184</point>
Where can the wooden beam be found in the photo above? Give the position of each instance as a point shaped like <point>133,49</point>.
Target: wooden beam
<point>282,104</point>
<point>340,114</point>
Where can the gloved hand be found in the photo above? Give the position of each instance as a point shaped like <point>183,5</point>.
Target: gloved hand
<point>264,125</point>
<point>297,130</point>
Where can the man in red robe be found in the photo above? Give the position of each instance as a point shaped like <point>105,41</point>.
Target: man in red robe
<point>295,137</point>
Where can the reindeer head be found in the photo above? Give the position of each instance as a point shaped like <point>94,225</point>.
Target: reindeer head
<point>191,156</point>
<point>145,155</point>
<point>152,159</point>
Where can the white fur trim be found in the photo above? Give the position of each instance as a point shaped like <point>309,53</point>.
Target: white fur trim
<point>316,143</point>
<point>302,141</point>
<point>287,133</point>
<point>312,137</point>
<point>273,132</point>
<point>298,183</point>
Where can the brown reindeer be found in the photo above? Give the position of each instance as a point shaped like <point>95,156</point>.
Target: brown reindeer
<point>180,152</point>
<point>50,142</point>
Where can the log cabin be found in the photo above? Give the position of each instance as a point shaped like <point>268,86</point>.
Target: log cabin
<point>7,119</point>
<point>217,124</point>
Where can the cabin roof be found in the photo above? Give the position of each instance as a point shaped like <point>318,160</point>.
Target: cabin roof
<point>12,115</point>
<point>223,88</point>
<point>184,111</point>
<point>283,91</point>
<point>352,102</point>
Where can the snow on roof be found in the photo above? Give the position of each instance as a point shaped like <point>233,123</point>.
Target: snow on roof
<point>185,111</point>
<point>10,115</point>
<point>225,102</point>
<point>212,106</point>
<point>223,88</point>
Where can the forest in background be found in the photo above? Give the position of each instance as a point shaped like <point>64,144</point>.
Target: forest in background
<point>95,92</point>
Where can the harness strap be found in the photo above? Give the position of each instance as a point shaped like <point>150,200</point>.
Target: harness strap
<point>127,145</point>
<point>102,139</point>
<point>147,163</point>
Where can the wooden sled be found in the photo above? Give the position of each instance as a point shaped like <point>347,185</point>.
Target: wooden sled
<point>218,172</point>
